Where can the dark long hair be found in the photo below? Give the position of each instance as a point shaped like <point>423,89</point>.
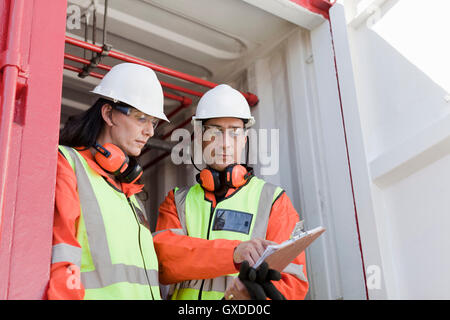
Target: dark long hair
<point>82,130</point>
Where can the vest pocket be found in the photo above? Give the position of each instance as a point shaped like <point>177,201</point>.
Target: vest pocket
<point>231,220</point>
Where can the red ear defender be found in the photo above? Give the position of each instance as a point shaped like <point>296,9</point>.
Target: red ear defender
<point>236,175</point>
<point>132,173</point>
<point>209,179</point>
<point>111,158</point>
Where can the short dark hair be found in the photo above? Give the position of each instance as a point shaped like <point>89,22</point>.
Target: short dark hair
<point>82,130</point>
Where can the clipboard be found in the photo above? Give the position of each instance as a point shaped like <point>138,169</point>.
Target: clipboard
<point>279,256</point>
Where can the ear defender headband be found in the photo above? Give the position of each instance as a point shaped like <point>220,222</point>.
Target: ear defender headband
<point>113,160</point>
<point>234,175</point>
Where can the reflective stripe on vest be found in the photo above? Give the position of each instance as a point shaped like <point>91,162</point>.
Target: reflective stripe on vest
<point>115,263</point>
<point>194,213</point>
<point>63,252</point>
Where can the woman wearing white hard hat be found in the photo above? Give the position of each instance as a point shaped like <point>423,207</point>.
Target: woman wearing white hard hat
<point>102,244</point>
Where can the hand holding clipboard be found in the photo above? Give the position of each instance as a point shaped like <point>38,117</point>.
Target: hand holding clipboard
<point>279,256</point>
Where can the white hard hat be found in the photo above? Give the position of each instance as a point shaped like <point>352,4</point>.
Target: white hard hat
<point>222,102</point>
<point>135,85</point>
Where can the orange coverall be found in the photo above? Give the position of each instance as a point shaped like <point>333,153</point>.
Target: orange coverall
<point>184,258</point>
<point>65,225</point>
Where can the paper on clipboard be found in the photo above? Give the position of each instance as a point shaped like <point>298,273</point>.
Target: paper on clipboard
<point>280,255</point>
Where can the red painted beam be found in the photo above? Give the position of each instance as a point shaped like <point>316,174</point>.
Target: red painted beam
<point>317,6</point>
<point>28,209</point>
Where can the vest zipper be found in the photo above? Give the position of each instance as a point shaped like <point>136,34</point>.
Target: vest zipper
<point>207,238</point>
<point>140,247</point>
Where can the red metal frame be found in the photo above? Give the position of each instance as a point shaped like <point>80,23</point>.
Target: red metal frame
<point>32,64</point>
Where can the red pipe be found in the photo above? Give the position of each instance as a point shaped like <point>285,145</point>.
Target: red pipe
<point>85,61</point>
<point>251,98</point>
<point>92,74</point>
<point>178,88</point>
<point>107,68</point>
<point>185,101</point>
<point>124,57</point>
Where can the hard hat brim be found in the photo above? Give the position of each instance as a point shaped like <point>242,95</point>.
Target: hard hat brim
<point>250,121</point>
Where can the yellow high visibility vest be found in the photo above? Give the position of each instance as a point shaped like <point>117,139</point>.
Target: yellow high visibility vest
<point>117,259</point>
<point>242,216</point>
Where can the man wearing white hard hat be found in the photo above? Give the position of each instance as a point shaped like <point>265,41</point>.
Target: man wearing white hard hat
<point>207,233</point>
<point>102,244</point>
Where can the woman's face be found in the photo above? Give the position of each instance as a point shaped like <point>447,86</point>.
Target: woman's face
<point>129,132</point>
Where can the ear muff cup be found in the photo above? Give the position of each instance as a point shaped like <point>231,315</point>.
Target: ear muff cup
<point>113,160</point>
<point>235,176</point>
<point>209,179</point>
<point>132,173</point>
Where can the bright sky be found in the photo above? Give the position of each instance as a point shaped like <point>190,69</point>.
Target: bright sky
<point>421,34</point>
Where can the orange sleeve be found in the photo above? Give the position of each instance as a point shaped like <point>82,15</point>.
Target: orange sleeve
<point>185,258</point>
<point>282,220</point>
<point>65,280</point>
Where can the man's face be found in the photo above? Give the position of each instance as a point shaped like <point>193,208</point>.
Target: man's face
<point>223,142</point>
